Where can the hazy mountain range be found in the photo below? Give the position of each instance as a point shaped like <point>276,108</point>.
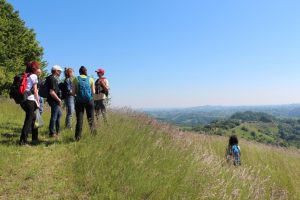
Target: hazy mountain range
<point>206,114</point>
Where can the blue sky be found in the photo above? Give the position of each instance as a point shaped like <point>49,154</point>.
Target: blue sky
<point>176,53</point>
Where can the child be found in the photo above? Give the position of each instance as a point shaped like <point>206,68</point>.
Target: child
<point>233,151</point>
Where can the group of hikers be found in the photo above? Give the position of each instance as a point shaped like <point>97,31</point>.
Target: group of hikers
<point>79,94</point>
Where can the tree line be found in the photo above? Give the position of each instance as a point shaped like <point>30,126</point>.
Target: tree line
<point>18,46</point>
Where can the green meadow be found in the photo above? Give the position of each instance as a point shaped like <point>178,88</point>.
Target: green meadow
<point>135,157</point>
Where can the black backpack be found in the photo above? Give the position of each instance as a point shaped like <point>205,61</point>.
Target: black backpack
<point>16,93</point>
<point>65,89</point>
<point>44,88</point>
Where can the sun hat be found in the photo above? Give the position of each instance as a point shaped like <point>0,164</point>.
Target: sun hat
<point>57,68</point>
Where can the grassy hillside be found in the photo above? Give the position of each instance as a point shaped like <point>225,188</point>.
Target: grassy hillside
<point>136,158</point>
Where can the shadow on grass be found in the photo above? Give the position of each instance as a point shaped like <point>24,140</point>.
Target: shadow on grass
<point>9,139</point>
<point>12,139</point>
<point>50,142</point>
<point>10,135</point>
<point>8,142</point>
<point>12,127</point>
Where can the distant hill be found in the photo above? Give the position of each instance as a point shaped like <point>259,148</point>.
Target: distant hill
<point>207,114</point>
<point>253,117</point>
<point>258,126</point>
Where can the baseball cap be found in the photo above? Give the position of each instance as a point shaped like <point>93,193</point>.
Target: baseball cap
<point>100,71</point>
<point>57,68</point>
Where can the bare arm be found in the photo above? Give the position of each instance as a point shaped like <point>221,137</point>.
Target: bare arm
<point>104,85</point>
<point>54,96</point>
<point>93,89</point>
<point>36,94</point>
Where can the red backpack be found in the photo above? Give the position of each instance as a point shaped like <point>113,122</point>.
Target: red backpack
<point>23,84</point>
<point>18,88</point>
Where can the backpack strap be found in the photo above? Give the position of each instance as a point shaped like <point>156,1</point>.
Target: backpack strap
<point>79,79</point>
<point>239,149</point>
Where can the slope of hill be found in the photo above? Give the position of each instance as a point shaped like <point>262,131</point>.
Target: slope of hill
<point>257,126</point>
<point>135,157</point>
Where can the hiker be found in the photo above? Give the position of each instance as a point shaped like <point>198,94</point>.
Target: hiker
<point>39,75</point>
<point>233,151</point>
<point>54,100</point>
<point>31,104</point>
<point>84,89</point>
<point>102,89</point>
<point>68,97</point>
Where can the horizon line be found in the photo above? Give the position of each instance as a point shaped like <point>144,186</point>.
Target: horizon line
<point>217,105</point>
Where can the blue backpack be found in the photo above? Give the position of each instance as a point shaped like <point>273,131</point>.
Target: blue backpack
<point>235,152</point>
<point>231,154</point>
<point>84,93</point>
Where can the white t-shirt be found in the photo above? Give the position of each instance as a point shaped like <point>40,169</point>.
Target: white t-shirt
<point>32,79</point>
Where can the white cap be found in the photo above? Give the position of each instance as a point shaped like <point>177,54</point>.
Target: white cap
<point>56,68</point>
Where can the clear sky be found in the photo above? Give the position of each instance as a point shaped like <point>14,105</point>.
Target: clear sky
<point>176,53</point>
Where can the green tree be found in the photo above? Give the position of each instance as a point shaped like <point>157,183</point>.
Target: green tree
<point>18,46</point>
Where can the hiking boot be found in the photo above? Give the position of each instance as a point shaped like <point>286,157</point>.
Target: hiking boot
<point>35,142</point>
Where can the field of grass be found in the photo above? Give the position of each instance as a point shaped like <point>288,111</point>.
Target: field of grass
<point>134,157</point>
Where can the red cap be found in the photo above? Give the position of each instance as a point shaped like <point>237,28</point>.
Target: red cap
<point>100,71</point>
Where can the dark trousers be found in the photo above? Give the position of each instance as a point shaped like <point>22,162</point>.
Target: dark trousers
<point>29,107</point>
<point>56,113</point>
<point>79,108</point>
<point>100,108</point>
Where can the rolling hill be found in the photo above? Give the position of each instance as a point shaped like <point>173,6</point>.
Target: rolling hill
<point>207,114</point>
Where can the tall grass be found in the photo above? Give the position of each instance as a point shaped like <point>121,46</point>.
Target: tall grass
<point>134,157</point>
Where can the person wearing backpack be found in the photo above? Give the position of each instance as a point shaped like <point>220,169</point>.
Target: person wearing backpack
<point>83,90</point>
<point>233,151</point>
<point>54,100</point>
<point>31,104</point>
<point>68,97</point>
<point>102,90</point>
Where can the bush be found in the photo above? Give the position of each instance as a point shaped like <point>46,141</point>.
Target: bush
<point>253,134</point>
<point>244,128</point>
